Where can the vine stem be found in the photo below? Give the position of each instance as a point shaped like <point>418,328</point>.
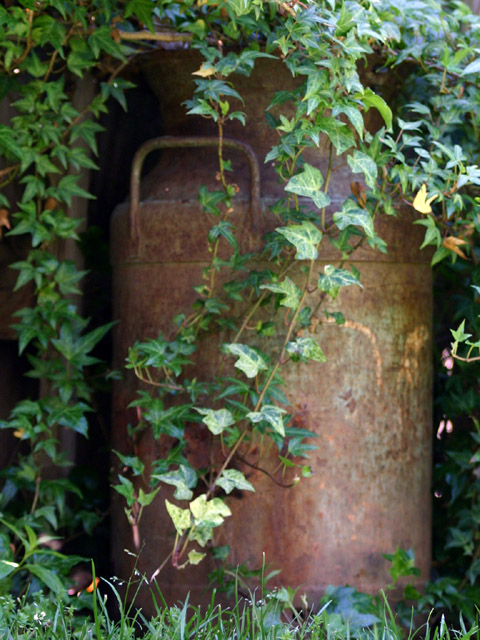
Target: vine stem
<point>327,182</point>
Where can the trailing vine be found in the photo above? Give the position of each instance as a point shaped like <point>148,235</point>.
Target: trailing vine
<point>422,153</point>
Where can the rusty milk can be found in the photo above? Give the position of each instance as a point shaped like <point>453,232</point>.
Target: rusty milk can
<point>370,403</point>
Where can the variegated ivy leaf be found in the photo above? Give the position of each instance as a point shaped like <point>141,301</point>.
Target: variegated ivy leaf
<point>334,279</point>
<point>352,214</point>
<point>308,184</point>
<point>209,513</point>
<point>360,162</point>
<point>181,518</point>
<point>353,114</point>
<point>232,479</point>
<point>195,557</point>
<point>305,349</point>
<point>271,414</point>
<point>184,479</point>
<point>201,534</point>
<point>339,134</point>
<point>289,289</point>
<point>217,421</point>
<point>249,361</point>
<point>304,237</point>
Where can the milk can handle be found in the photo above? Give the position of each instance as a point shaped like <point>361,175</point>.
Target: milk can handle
<point>185,142</point>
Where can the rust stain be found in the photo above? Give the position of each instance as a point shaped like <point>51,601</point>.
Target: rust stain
<point>410,365</point>
<point>368,333</point>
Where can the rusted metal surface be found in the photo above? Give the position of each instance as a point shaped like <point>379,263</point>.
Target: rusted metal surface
<point>370,404</point>
<point>194,142</point>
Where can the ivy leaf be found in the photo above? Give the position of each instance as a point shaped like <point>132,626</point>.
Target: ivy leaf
<point>217,421</point>
<point>249,361</point>
<point>304,237</point>
<point>271,414</point>
<point>289,289</point>
<point>143,10</point>
<point>101,40</point>
<point>353,114</point>
<point>7,141</point>
<point>181,518</point>
<point>308,184</point>
<point>209,513</point>
<point>126,489</point>
<point>233,479</point>
<point>184,479</point>
<point>144,499</point>
<point>335,278</point>
<point>353,215</point>
<point>360,162</point>
<point>133,462</point>
<point>304,349</point>
<point>370,99</point>
<point>195,557</point>
<point>338,133</point>
<point>459,334</point>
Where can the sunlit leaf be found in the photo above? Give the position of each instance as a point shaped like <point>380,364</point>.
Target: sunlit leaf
<point>421,203</point>
<point>210,513</point>
<point>181,518</point>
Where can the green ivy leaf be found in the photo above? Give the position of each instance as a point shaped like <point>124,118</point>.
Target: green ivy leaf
<point>304,237</point>
<point>144,499</point>
<point>217,421</point>
<point>335,278</point>
<point>309,184</point>
<point>271,414</point>
<point>289,289</point>
<point>184,479</point>
<point>233,479</point>
<point>132,462</point>
<point>8,141</point>
<point>370,99</point>
<point>249,361</point>
<point>459,334</point>
<point>304,349</point>
<point>143,10</point>
<point>353,114</point>
<point>195,557</point>
<point>353,215</point>
<point>126,489</point>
